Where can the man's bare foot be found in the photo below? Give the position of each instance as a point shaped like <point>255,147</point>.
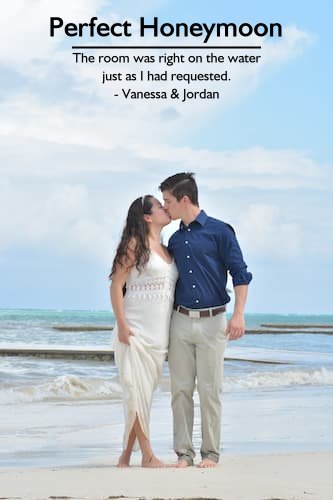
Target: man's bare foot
<point>152,463</point>
<point>124,460</point>
<point>206,463</point>
<point>182,463</point>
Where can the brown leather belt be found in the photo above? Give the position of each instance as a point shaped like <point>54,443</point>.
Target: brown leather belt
<point>200,313</point>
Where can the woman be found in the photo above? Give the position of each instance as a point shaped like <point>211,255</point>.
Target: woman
<point>142,291</point>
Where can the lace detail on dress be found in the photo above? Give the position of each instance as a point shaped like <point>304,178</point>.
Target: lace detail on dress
<point>154,289</point>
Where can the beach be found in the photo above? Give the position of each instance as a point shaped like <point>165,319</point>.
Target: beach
<point>287,476</point>
<point>61,419</point>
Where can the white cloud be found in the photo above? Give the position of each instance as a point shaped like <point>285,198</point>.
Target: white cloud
<point>258,168</point>
<point>292,44</point>
<point>25,27</point>
<point>47,103</point>
<point>75,198</point>
<point>64,141</point>
<point>64,217</point>
<point>265,231</point>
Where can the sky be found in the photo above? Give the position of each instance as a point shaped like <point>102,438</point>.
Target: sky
<point>73,157</point>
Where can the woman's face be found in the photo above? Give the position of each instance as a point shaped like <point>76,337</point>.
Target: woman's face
<point>158,214</point>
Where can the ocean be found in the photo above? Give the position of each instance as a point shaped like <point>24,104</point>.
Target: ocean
<point>277,392</point>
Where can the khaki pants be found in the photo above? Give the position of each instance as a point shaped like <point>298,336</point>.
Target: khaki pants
<point>196,352</point>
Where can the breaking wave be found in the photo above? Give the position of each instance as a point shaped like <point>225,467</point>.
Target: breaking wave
<point>73,388</point>
<point>319,377</point>
<point>64,388</point>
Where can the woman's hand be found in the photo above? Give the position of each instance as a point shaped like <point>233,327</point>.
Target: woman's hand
<point>124,334</point>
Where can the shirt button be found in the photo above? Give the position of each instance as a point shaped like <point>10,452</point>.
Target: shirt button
<point>186,242</point>
<point>197,302</point>
<point>193,286</point>
<point>190,271</point>
<point>189,229</point>
<point>187,256</point>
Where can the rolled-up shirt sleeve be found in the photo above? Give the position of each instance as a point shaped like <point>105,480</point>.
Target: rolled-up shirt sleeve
<point>232,257</point>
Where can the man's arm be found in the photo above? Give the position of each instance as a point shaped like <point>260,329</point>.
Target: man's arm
<point>232,258</point>
<point>236,324</point>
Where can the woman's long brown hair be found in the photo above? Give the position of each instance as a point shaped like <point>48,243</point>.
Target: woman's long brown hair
<point>136,229</point>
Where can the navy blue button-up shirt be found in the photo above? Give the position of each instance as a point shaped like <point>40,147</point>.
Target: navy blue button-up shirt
<point>204,252</point>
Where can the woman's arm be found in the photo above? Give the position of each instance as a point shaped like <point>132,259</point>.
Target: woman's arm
<point>119,278</point>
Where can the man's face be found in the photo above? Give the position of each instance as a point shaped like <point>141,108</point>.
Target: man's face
<point>172,206</point>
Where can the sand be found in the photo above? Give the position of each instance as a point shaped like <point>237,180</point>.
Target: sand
<point>290,476</point>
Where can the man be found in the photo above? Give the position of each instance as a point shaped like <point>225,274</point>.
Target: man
<point>204,249</point>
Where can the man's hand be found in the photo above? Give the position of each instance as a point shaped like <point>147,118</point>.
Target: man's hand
<point>236,326</point>
<point>124,334</point>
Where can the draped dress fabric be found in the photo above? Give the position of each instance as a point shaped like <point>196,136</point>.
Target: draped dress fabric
<point>148,305</point>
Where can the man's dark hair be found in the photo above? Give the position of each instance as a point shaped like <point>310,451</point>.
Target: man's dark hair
<point>180,185</point>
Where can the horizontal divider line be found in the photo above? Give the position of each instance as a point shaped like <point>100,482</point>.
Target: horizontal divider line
<point>165,47</point>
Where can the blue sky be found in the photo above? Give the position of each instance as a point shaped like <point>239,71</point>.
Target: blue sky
<point>72,157</point>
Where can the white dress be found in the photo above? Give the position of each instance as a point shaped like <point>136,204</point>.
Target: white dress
<point>148,305</point>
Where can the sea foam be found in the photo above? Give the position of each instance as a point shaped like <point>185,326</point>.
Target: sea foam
<point>63,388</point>
<point>73,388</point>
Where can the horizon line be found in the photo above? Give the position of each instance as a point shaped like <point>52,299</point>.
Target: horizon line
<point>109,310</point>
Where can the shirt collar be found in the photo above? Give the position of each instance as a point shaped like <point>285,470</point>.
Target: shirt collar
<point>200,219</point>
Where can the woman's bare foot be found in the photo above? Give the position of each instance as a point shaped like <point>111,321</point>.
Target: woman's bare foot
<point>206,463</point>
<point>152,462</point>
<point>124,460</point>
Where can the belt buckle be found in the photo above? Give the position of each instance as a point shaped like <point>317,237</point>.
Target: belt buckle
<point>194,314</point>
